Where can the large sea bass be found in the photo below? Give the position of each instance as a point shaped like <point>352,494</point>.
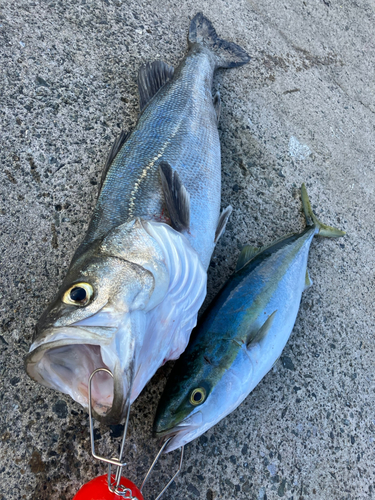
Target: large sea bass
<point>135,284</point>
<point>240,337</point>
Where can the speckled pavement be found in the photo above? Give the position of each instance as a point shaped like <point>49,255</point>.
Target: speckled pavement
<point>302,110</point>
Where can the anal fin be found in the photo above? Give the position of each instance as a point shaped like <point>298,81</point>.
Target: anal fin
<point>176,197</point>
<point>223,219</point>
<point>257,336</point>
<point>151,78</point>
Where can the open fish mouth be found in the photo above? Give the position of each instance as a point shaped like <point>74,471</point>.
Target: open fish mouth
<point>66,365</point>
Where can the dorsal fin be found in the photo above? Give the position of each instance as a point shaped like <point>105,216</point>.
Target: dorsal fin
<point>257,336</point>
<point>176,197</point>
<point>117,145</point>
<point>151,78</point>
<point>247,253</point>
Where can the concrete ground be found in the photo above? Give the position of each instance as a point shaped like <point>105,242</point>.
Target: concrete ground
<point>302,110</point>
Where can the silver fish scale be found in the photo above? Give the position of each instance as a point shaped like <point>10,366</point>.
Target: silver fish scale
<point>179,126</point>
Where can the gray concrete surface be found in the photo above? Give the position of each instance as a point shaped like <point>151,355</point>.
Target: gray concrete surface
<point>302,110</point>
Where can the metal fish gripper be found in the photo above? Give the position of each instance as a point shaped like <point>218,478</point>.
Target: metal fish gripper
<point>112,486</point>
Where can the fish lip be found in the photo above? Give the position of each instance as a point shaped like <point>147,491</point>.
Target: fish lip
<point>182,428</point>
<point>84,334</point>
<point>173,436</point>
<point>80,336</point>
<point>168,432</point>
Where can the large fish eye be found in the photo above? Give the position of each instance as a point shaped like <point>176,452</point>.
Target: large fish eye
<point>79,294</point>
<point>198,396</point>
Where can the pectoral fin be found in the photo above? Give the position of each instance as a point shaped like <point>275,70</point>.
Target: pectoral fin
<point>257,336</point>
<point>176,197</point>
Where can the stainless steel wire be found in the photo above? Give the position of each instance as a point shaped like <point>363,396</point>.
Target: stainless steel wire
<point>153,465</point>
<point>115,485</point>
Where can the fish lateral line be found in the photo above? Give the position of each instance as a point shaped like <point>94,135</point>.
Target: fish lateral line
<point>149,166</point>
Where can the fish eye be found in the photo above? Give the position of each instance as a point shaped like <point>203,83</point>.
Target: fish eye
<point>79,294</point>
<point>198,396</point>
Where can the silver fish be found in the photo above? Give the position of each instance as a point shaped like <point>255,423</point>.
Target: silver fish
<point>241,336</point>
<point>135,284</point>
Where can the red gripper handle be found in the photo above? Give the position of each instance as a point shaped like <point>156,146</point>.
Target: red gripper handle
<point>97,489</point>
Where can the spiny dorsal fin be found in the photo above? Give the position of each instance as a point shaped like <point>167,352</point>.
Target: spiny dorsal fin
<point>151,78</point>
<point>117,145</point>
<point>223,219</point>
<point>247,253</point>
<point>217,105</point>
<point>176,197</point>
<point>256,337</point>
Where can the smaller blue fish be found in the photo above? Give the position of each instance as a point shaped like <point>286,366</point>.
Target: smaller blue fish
<point>241,335</point>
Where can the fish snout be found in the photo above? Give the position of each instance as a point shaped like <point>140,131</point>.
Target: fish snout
<point>164,427</point>
<point>160,428</point>
<point>44,324</point>
<point>181,433</point>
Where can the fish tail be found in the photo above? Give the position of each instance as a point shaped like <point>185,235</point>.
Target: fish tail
<point>228,54</point>
<point>312,219</point>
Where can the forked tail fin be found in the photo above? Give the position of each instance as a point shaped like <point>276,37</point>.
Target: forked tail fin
<point>312,220</point>
<point>229,55</point>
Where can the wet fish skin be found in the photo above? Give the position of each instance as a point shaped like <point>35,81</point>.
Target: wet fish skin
<point>240,337</point>
<point>147,280</point>
<point>178,126</point>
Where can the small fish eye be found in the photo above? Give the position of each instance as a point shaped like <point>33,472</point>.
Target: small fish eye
<point>198,396</point>
<point>79,294</point>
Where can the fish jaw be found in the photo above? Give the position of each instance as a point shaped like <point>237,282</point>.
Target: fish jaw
<point>182,433</point>
<point>65,364</point>
<point>68,357</point>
